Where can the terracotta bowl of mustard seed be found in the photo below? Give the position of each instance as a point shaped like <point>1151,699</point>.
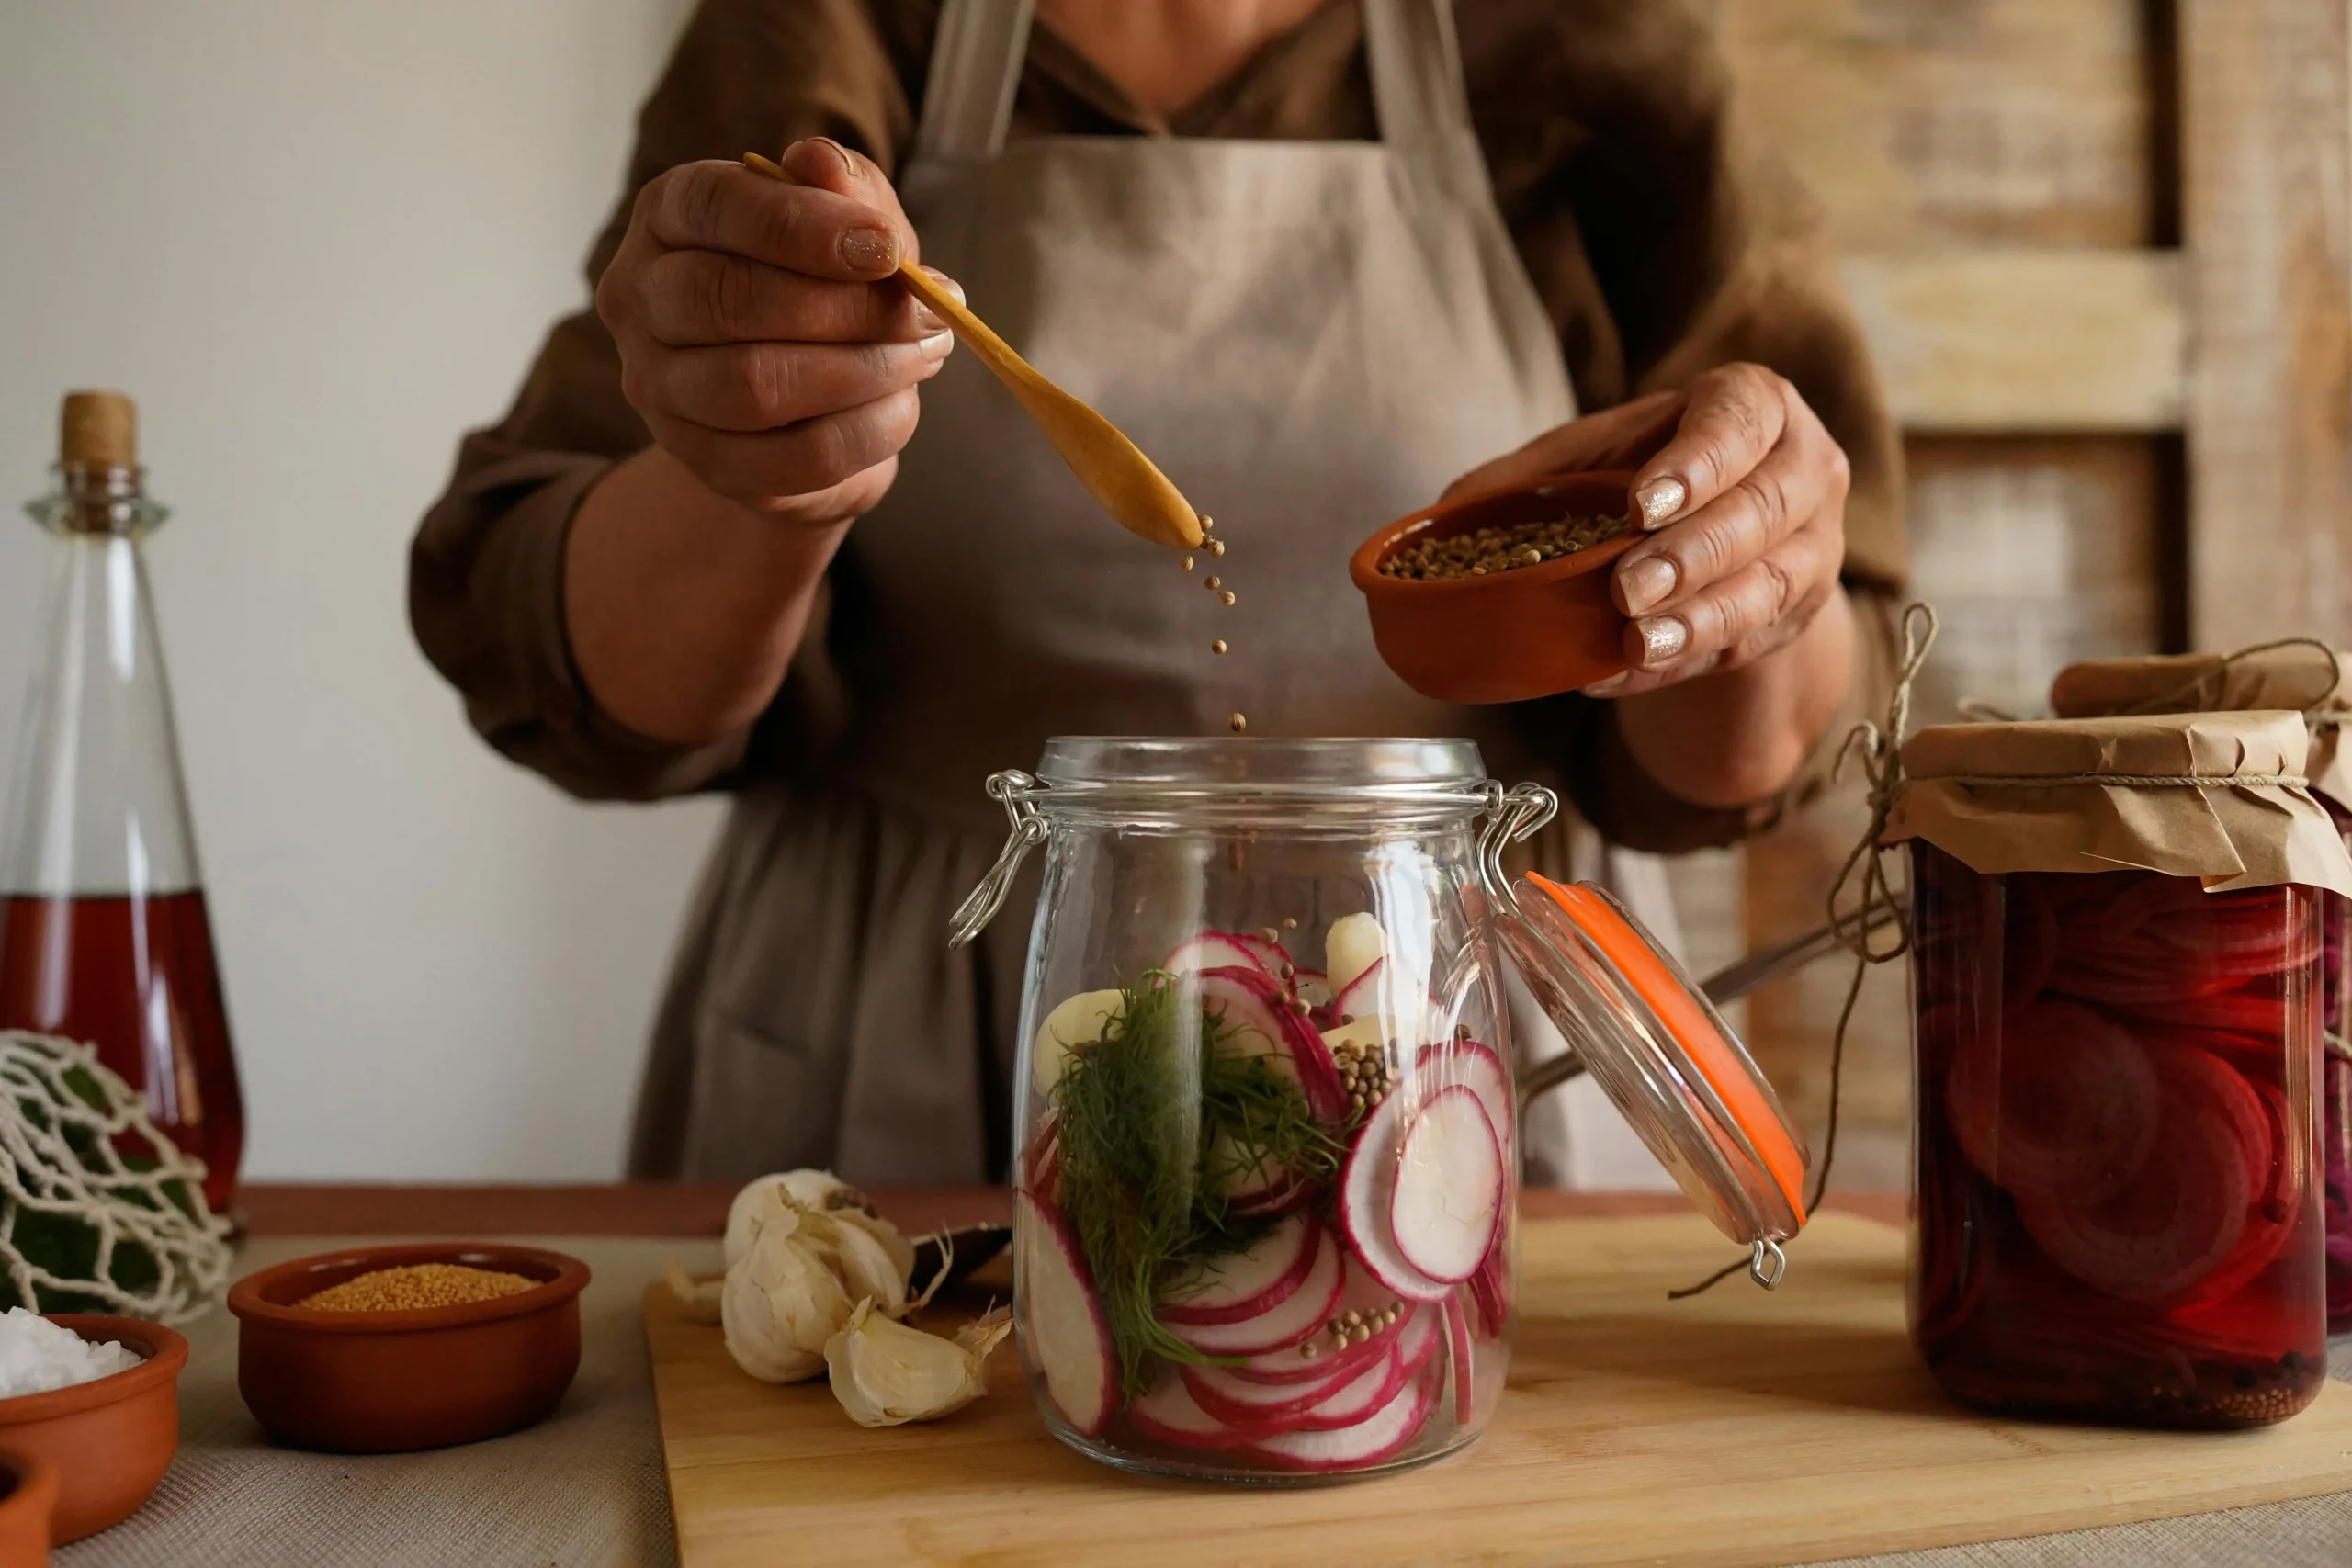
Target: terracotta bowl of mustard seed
<point>1521,628</point>
<point>367,1372</point>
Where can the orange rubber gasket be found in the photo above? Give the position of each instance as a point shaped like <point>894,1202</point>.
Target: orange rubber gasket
<point>1652,981</point>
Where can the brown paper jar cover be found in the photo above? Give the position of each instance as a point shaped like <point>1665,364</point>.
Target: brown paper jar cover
<point>2300,677</point>
<point>2107,795</point>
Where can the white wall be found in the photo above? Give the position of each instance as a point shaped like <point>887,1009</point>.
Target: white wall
<point>317,238</point>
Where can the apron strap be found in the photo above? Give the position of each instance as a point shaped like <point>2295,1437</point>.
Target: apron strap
<point>1415,58</point>
<point>1417,85</point>
<point>976,59</point>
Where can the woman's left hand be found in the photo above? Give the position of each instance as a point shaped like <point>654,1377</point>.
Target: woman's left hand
<point>1743,493</point>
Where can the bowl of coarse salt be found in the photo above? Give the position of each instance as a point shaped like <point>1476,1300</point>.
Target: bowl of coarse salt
<point>96,1399</point>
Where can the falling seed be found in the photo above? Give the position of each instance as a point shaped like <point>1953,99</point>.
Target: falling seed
<point>1310,1350</point>
<point>1217,647</point>
<point>1289,922</point>
<point>1239,723</point>
<point>1227,595</point>
<point>1188,563</point>
<point>1213,583</point>
<point>1216,546</point>
<point>1270,936</point>
<point>1207,522</point>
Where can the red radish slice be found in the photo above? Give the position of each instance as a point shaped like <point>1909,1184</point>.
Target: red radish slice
<point>1228,1396</point>
<point>1476,1068</point>
<point>1299,1313</point>
<point>1214,950</point>
<point>1368,1193</point>
<point>2064,1099</point>
<point>1366,1297</point>
<point>1170,1415</point>
<point>1041,1171</point>
<point>1491,1292</point>
<point>1269,955</point>
<point>1258,1021</point>
<point>1379,1436</point>
<point>1448,1197</point>
<point>1062,1324</point>
<point>1250,1283</point>
<point>1457,1340</point>
<point>1310,987</point>
<point>1360,997</point>
<point>2186,1210</point>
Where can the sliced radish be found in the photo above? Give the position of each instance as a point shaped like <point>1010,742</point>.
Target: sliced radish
<point>1367,1196</point>
<point>1249,1283</point>
<point>1360,1399</point>
<point>1310,987</point>
<point>1365,1297</point>
<point>1062,1321</point>
<point>1253,1183</point>
<point>1381,1436</point>
<point>1040,1169</point>
<point>1490,1290</point>
<point>1228,1396</point>
<point>1457,1340</point>
<point>1279,1197</point>
<point>1079,1021</point>
<point>1360,997</point>
<point>1269,955</point>
<point>1217,950</point>
<point>2183,1215</point>
<point>1258,1021</point>
<point>1353,945</point>
<point>1479,1069</point>
<point>1169,1414</point>
<point>1299,1313</point>
<point>1448,1196</point>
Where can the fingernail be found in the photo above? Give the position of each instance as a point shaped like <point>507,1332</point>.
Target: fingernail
<point>947,283</point>
<point>927,322</point>
<point>936,345</point>
<point>871,250</point>
<point>849,165</point>
<point>1602,688</point>
<point>1661,499</point>
<point>1647,581</point>
<point>1663,637</point>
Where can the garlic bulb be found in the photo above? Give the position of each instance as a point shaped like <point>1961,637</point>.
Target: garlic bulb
<point>782,1299</point>
<point>885,1373</point>
<point>820,1189</point>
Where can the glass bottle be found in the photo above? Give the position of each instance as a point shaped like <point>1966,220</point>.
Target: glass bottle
<point>104,933</point>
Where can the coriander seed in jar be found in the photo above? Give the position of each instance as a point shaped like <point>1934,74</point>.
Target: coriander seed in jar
<point>1267,1133</point>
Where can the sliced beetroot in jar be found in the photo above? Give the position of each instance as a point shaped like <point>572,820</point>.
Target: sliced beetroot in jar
<point>2168,1228</point>
<point>2065,1101</point>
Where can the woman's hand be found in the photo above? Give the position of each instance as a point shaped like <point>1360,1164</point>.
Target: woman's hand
<point>761,335</point>
<point>1741,641</point>
<point>1744,494</point>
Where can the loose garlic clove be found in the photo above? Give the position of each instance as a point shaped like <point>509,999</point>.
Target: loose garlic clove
<point>886,1374</point>
<point>697,1298</point>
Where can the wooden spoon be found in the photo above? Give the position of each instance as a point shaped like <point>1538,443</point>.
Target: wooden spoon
<point>1129,486</point>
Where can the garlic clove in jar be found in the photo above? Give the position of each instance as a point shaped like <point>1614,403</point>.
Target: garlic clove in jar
<point>1079,1021</point>
<point>885,1373</point>
<point>1353,945</point>
<point>782,1299</point>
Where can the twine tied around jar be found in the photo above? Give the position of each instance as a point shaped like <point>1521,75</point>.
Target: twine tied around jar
<point>1876,903</point>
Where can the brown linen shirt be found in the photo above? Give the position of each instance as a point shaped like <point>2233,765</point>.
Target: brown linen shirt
<point>1660,239</point>
<point>1659,242</point>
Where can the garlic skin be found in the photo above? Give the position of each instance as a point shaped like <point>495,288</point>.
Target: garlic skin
<point>782,1301</point>
<point>697,1298</point>
<point>812,1190</point>
<point>886,1374</point>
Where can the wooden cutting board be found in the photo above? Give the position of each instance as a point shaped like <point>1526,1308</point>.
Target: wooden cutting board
<point>1736,1429</point>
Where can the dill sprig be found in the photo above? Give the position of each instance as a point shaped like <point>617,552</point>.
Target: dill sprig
<point>1157,1122</point>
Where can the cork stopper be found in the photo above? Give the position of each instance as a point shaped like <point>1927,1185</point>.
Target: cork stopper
<point>98,430</point>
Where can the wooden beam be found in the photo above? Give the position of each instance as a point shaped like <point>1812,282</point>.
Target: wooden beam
<point>2266,169</point>
<point>2026,341</point>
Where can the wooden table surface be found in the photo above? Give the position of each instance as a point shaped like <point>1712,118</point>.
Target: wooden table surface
<point>700,1208</point>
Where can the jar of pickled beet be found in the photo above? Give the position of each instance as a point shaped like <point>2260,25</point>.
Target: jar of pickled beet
<point>2317,681</point>
<point>2115,970</point>
<point>1266,1161</point>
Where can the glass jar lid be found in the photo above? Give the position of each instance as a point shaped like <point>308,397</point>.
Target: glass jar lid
<point>1656,1047</point>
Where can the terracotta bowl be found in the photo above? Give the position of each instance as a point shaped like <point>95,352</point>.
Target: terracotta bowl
<point>28,1499</point>
<point>387,1382</point>
<point>1532,632</point>
<point>108,1442</point>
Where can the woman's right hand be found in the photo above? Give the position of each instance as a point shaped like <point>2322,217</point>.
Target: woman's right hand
<point>761,336</point>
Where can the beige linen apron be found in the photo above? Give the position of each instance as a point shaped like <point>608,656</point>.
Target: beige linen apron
<point>1311,338</point>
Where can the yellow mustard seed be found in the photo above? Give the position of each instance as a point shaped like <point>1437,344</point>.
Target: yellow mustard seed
<point>416,1285</point>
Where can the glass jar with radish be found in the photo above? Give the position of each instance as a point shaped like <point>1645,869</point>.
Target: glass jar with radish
<point>1266,1146</point>
<point>2118,1182</point>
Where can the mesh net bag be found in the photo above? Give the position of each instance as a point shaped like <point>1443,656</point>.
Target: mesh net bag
<point>99,1211</point>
